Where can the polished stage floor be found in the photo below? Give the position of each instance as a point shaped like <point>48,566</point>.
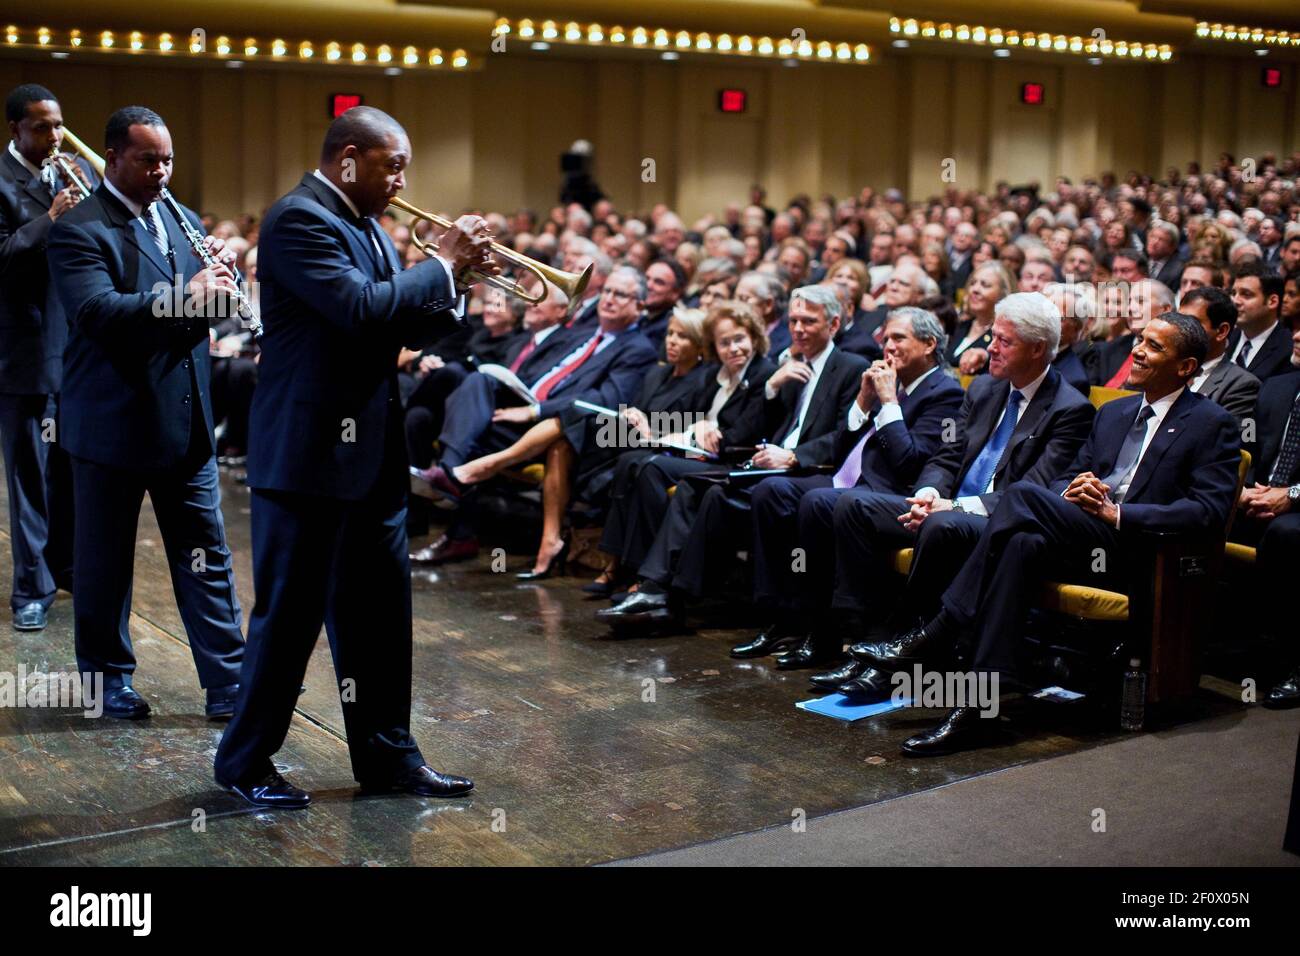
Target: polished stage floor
<point>576,761</point>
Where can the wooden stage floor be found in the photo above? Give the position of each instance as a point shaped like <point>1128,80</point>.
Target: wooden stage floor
<point>514,686</point>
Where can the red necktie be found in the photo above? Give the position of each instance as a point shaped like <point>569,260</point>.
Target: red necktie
<point>524,352</point>
<point>544,387</point>
<point>1122,375</point>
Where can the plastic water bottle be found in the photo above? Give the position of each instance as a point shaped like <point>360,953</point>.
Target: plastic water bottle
<point>1133,705</point>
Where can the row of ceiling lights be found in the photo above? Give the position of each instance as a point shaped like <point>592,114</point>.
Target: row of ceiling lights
<point>543,33</point>
<point>197,44</point>
<point>1044,42</point>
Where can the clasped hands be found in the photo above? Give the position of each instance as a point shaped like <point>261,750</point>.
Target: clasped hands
<point>1093,495</point>
<point>1264,503</point>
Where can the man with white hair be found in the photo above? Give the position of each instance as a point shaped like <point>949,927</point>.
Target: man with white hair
<point>669,232</point>
<point>1020,422</point>
<point>1075,305</point>
<point>906,286</point>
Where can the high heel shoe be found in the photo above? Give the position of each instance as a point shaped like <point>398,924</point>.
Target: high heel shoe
<point>558,565</point>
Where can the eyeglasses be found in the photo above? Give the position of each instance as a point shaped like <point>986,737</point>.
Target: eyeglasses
<point>617,294</point>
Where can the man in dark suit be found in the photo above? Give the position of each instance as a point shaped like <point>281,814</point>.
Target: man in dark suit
<point>1218,379</point>
<point>665,282</point>
<point>808,401</point>
<point>1269,514</point>
<point>327,463</point>
<point>1163,262</point>
<point>1163,461</point>
<point>33,331</point>
<point>604,365</point>
<point>1261,343</point>
<point>906,287</point>
<point>895,425</point>
<point>965,237</point>
<point>994,445</point>
<point>136,414</point>
<point>1075,305</point>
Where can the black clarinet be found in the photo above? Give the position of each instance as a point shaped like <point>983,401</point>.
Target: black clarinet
<point>244,309</point>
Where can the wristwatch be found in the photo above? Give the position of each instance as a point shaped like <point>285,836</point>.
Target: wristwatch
<point>1293,494</point>
<point>957,505</point>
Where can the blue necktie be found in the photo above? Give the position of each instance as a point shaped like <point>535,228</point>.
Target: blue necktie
<point>1129,452</point>
<point>986,462</point>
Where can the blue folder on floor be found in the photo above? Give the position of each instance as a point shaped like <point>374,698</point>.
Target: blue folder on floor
<point>843,708</point>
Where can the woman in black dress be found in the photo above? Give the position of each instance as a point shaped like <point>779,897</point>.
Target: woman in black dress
<point>733,404</point>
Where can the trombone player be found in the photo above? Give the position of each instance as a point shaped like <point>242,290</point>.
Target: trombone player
<point>327,462</point>
<point>34,193</point>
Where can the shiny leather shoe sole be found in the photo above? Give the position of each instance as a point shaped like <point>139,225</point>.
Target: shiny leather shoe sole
<point>290,798</point>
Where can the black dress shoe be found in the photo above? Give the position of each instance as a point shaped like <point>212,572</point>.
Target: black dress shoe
<point>221,702</point>
<point>446,550</point>
<point>272,792</point>
<point>423,782</point>
<point>1285,695</point>
<point>636,608</point>
<point>902,652</point>
<point>125,704</point>
<point>437,484</point>
<point>599,589</point>
<point>869,687</point>
<point>811,653</point>
<point>30,617</point>
<point>832,679</point>
<point>767,642</point>
<point>962,729</point>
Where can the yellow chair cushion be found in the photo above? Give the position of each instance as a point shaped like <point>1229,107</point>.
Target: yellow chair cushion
<point>1099,395</point>
<point>1239,553</point>
<point>1079,600</point>
<point>902,561</point>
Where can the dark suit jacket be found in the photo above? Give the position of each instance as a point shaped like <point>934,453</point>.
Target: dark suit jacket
<point>610,378</point>
<point>335,319</point>
<point>33,328</point>
<point>959,335</point>
<point>135,367</point>
<point>542,359</point>
<point>778,340</point>
<point>1273,357</point>
<point>828,408</point>
<point>1171,274</point>
<point>1232,387</point>
<point>741,418</point>
<point>1110,356</point>
<point>585,315</point>
<point>895,454</point>
<point>655,328</point>
<point>1276,399</point>
<point>1044,442</point>
<point>1185,481</point>
<point>1072,370</point>
<point>860,339</point>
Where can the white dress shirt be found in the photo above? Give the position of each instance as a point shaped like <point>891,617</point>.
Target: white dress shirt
<point>138,211</point>
<point>1160,409</point>
<point>1256,343</point>
<point>973,504</point>
<point>805,397</point>
<point>1203,373</point>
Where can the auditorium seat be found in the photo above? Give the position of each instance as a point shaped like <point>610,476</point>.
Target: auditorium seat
<point>1099,395</point>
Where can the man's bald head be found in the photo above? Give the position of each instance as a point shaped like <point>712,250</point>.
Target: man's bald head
<point>364,154</point>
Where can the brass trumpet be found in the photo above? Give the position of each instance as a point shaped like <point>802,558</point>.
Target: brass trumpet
<point>70,170</point>
<point>571,284</point>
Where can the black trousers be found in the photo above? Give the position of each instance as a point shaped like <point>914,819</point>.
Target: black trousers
<point>342,564</point>
<point>794,556</point>
<point>233,382</point>
<point>425,411</point>
<point>866,530</point>
<point>638,501</point>
<point>1276,559</point>
<point>1032,536</point>
<point>695,548</point>
<point>187,503</point>
<point>39,480</point>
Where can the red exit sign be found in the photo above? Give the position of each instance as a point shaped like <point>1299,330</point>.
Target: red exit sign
<point>1032,93</point>
<point>731,101</point>
<point>1271,77</point>
<point>340,103</point>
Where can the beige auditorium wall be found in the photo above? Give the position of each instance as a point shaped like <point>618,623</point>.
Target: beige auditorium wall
<point>491,139</point>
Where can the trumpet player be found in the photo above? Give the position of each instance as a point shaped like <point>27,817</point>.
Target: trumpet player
<point>137,416</point>
<point>327,462</point>
<point>34,193</point>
